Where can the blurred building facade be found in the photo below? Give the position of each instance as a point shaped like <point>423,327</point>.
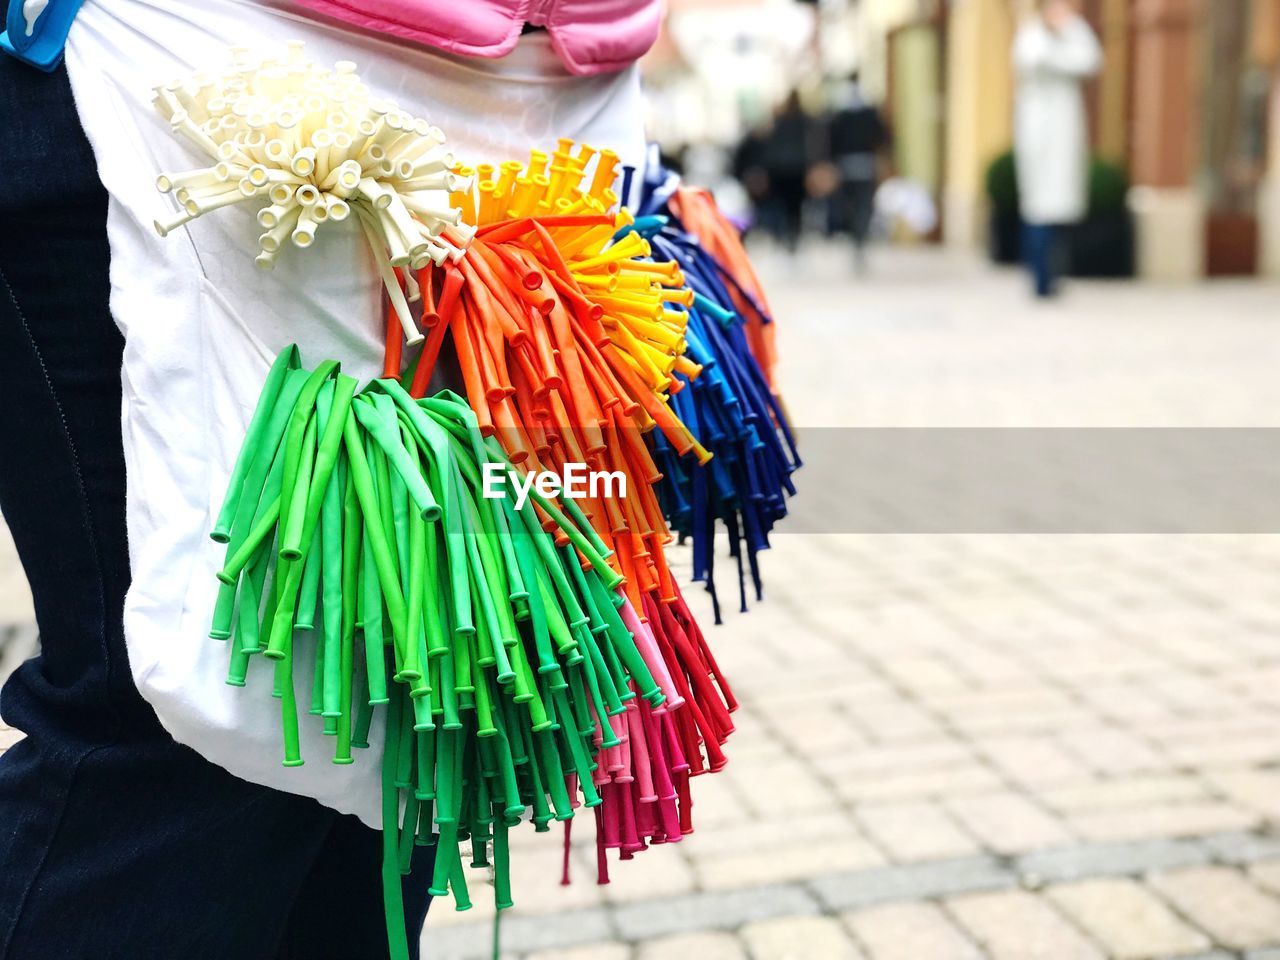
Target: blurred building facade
<point>1188,102</point>
<point>721,66</point>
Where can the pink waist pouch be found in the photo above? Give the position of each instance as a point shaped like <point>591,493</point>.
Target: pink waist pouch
<point>590,36</point>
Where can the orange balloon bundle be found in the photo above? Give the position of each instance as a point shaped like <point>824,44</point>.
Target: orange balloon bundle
<point>567,341</point>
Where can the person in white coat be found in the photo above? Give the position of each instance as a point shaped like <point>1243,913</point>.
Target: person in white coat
<point>1054,52</point>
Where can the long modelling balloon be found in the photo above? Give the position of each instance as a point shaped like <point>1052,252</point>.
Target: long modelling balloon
<point>571,344</point>
<point>731,405</point>
<point>309,145</point>
<point>530,657</point>
<point>492,632</point>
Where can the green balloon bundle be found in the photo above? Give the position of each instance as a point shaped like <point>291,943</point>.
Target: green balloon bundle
<point>491,634</point>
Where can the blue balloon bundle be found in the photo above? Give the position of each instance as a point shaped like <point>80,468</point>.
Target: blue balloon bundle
<point>729,407</point>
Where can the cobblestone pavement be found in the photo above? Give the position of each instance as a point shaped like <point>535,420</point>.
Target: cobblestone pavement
<point>950,747</point>
<point>1013,747</point>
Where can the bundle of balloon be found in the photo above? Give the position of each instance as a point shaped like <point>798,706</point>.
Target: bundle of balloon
<point>731,405</point>
<point>493,634</point>
<point>571,344</point>
<point>528,657</point>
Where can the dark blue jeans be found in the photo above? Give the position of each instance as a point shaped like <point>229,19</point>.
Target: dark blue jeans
<point>1041,248</point>
<point>116,843</point>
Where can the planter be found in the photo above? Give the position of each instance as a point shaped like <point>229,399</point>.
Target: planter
<point>1103,246</point>
<point>1005,237</point>
<point>1100,246</point>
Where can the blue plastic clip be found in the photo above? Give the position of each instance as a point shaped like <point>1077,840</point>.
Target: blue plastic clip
<point>645,226</point>
<point>36,31</point>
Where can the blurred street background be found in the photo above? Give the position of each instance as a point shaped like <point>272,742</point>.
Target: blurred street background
<point>966,746</point>
<point>953,747</point>
<point>1182,119</point>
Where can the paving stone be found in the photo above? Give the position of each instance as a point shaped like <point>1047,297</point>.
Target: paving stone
<point>799,938</point>
<point>993,668</point>
<point>1127,919</point>
<point>558,932</point>
<point>1230,751</point>
<point>921,881</point>
<point>696,946</point>
<point>1016,925</point>
<point>1219,728</point>
<point>16,608</point>
<point>972,777</point>
<point>1163,820</point>
<point>843,680</point>
<point>1032,761</point>
<point>443,915</point>
<point>895,760</point>
<point>1008,823</point>
<point>1242,847</point>
<point>768,834</point>
<point>1042,722</point>
<point>915,831</point>
<point>894,721</point>
<point>1257,789</point>
<point>817,725</point>
<point>663,870</point>
<point>926,673</point>
<point>1193,693</point>
<point>910,931</point>
<point>719,911</point>
<point>793,861</point>
<point>20,639</point>
<point>536,887</point>
<point>1223,901</point>
<point>592,951</point>
<point>719,803</point>
<point>1004,704</point>
<point>1125,703</point>
<point>791,786</point>
<point>1121,792</point>
<point>1267,875</point>
<point>1109,859</point>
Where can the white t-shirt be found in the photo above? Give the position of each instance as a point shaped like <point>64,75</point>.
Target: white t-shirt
<point>202,323</point>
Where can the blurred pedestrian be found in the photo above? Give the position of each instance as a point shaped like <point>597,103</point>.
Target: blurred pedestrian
<point>855,136</point>
<point>787,155</point>
<point>747,167</point>
<point>1054,52</point>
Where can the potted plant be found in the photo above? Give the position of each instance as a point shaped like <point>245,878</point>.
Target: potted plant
<point>1102,245</point>
<point>1004,235</point>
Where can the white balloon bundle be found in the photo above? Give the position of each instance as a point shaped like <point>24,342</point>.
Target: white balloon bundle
<point>311,145</point>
